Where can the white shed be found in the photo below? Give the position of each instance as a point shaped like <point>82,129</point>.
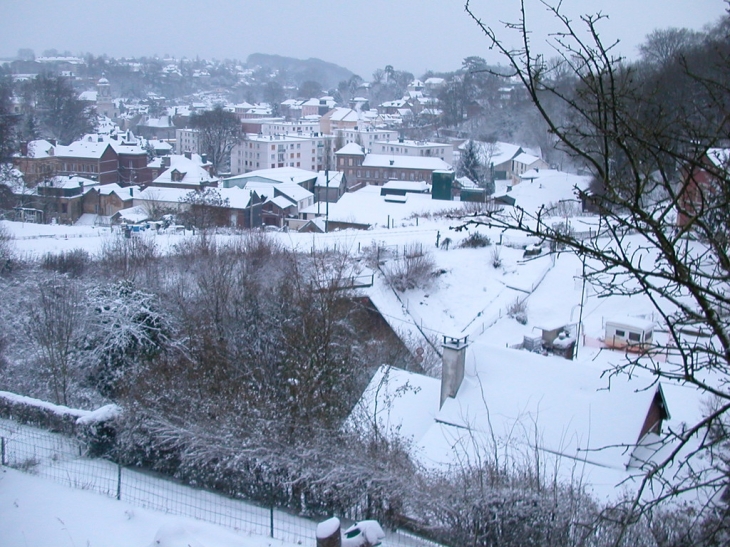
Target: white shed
<point>628,331</point>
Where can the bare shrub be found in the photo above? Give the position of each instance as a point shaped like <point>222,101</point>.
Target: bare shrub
<point>6,249</point>
<point>125,256</point>
<point>475,241</point>
<point>565,208</point>
<point>413,250</point>
<point>496,258</point>
<point>55,324</point>
<point>73,263</point>
<point>410,272</point>
<point>518,311</point>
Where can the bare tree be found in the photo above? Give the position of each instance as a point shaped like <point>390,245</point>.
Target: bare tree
<point>55,324</point>
<point>220,131</point>
<point>629,130</point>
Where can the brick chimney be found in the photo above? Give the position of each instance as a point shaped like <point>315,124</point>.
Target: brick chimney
<point>452,368</point>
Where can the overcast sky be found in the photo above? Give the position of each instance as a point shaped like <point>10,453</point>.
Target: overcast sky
<point>361,35</point>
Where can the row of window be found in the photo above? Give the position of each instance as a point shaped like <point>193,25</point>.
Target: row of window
<point>411,175</point>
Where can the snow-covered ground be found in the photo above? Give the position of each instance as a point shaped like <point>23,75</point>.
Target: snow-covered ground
<point>35,511</point>
<point>469,296</point>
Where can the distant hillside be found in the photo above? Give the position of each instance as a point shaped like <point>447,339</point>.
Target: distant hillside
<point>327,74</point>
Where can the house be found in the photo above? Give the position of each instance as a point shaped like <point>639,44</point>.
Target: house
<point>90,157</point>
<point>284,191</point>
<point>377,169</point>
<point>701,182</point>
<point>522,163</point>
<point>156,128</point>
<point>518,406</point>
<point>187,171</point>
<point>278,175</point>
<point>37,161</point>
<point>107,199</point>
<point>330,186</point>
<point>497,156</point>
<point>403,147</point>
<point>338,118</point>
<point>61,198</point>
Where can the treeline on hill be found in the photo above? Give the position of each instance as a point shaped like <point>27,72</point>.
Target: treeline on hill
<point>237,367</point>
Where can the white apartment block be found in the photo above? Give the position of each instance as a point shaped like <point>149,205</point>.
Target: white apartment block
<point>300,127</point>
<point>187,140</point>
<point>366,137</point>
<point>269,152</point>
<point>402,147</point>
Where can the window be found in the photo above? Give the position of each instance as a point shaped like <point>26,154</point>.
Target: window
<point>634,336</point>
<point>621,333</point>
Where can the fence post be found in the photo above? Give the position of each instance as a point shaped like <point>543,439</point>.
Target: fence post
<point>271,520</point>
<point>119,481</point>
<point>2,450</point>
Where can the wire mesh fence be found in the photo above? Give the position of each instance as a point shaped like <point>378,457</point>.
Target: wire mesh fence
<point>62,459</point>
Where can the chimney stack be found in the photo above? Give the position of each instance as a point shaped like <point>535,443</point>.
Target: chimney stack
<point>452,369</point>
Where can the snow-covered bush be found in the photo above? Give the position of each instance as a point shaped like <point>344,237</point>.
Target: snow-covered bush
<point>518,311</point>
<point>496,258</point>
<point>475,240</point>
<point>410,272</point>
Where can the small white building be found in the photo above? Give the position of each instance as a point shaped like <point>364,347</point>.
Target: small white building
<point>622,332</point>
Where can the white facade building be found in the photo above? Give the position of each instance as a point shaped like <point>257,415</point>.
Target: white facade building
<point>187,140</point>
<point>403,147</point>
<point>272,151</point>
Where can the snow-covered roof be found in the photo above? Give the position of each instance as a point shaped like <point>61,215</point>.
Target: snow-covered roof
<point>281,202</point>
<point>405,162</point>
<point>153,193</point>
<point>526,159</point>
<point>275,175</point>
<point>466,182</point>
<point>40,149</point>
<point>238,198</point>
<point>289,189</point>
<point>494,152</point>
<point>524,401</point>
<point>638,323</point>
<point>90,149</point>
<point>188,171</point>
<point>125,193</point>
<point>335,179</point>
<point>73,182</point>
<point>548,186</point>
<point>132,214</point>
<point>89,96</point>
<point>343,115</point>
<point>352,149</point>
<point>720,157</point>
<point>407,185</point>
<point>367,206</point>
